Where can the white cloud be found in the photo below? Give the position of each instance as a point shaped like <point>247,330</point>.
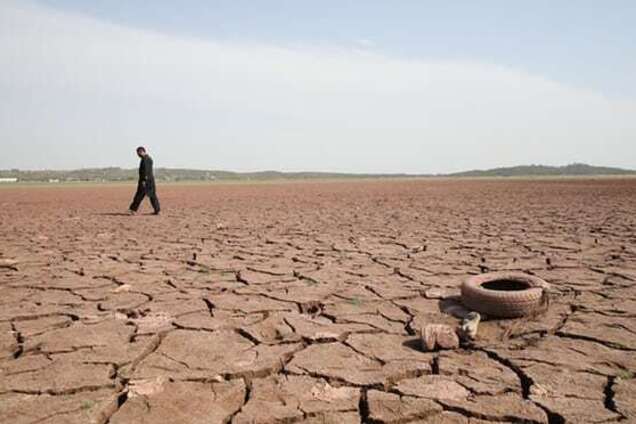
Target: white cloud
<point>80,92</point>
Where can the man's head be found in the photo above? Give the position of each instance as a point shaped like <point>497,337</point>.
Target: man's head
<point>141,151</point>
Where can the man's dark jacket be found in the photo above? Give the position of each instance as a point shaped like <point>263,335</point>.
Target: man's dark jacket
<point>145,170</point>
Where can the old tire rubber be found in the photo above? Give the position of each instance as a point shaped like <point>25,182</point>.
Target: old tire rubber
<point>527,299</point>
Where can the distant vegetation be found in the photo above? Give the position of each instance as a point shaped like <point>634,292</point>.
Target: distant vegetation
<point>173,174</point>
<point>575,169</point>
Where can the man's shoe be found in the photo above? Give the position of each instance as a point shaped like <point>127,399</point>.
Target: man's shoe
<point>131,212</point>
<point>155,213</point>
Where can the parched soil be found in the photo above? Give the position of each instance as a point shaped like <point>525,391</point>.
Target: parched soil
<point>302,302</point>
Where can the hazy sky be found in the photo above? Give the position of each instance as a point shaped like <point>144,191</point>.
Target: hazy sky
<point>357,86</point>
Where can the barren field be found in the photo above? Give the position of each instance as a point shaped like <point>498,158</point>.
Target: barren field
<point>302,302</point>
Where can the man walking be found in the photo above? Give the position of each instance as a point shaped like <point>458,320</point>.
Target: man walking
<point>146,184</point>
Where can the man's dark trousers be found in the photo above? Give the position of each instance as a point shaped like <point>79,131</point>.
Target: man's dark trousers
<point>145,188</point>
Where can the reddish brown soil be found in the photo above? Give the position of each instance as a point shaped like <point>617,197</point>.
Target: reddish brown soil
<point>302,303</point>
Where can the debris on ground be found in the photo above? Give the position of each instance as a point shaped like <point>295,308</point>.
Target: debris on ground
<point>439,336</point>
<point>505,294</point>
<point>8,264</point>
<point>470,325</point>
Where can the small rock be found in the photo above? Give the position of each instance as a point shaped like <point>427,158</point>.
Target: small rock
<point>8,263</point>
<point>447,338</point>
<point>440,293</point>
<point>439,336</point>
<point>428,339</point>
<point>123,288</point>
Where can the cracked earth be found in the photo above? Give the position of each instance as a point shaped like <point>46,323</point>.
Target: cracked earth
<point>302,302</point>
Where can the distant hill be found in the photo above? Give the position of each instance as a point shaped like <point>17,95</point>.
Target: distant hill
<point>575,169</point>
<point>176,174</point>
<point>181,174</point>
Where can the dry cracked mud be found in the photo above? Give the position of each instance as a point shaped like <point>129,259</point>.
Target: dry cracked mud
<point>302,302</point>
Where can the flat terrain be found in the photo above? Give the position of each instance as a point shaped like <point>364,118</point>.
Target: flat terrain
<point>302,303</point>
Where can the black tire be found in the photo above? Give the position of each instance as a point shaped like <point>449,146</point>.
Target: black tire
<point>527,298</point>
